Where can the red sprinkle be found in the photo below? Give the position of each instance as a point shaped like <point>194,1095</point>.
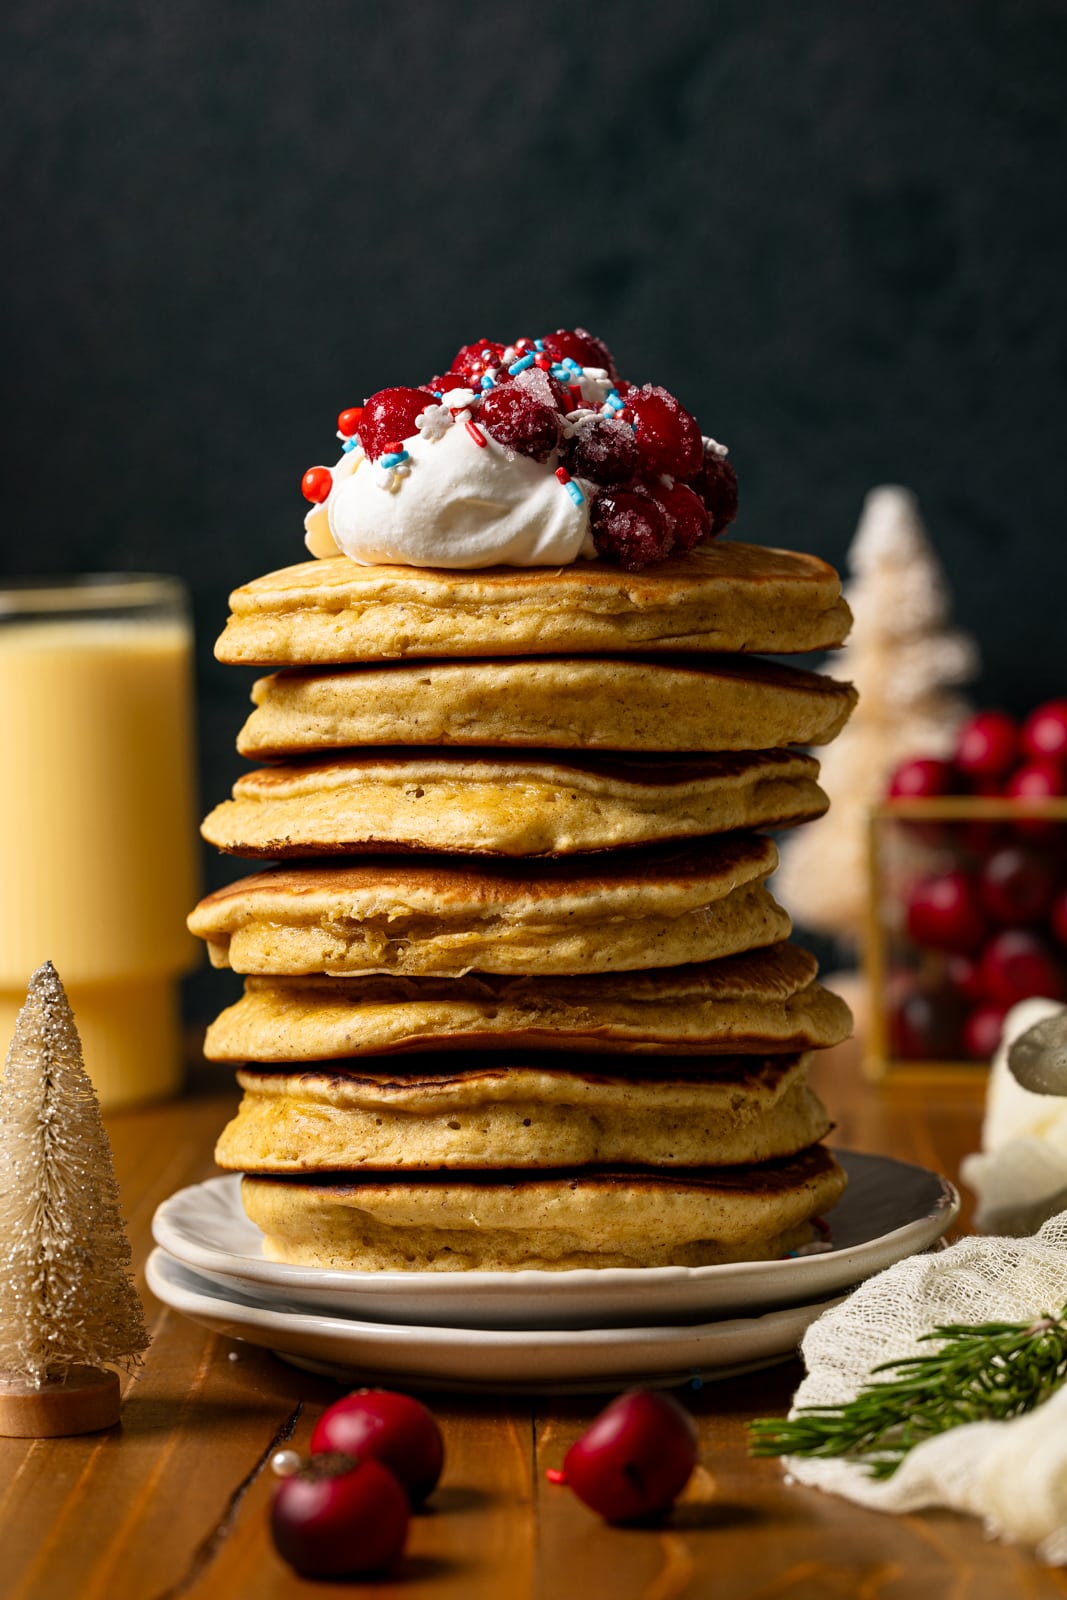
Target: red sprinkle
<point>821,1226</point>
<point>476,434</point>
<point>563,475</point>
<point>316,484</point>
<point>576,396</point>
<point>349,421</point>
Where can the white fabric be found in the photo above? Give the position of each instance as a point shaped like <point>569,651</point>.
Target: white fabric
<point>1013,1475</point>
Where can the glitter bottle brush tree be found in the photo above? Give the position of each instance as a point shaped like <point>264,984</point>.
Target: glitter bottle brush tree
<point>67,1302</point>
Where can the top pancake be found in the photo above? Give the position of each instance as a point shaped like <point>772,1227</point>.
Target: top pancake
<point>668,704</point>
<point>722,596</point>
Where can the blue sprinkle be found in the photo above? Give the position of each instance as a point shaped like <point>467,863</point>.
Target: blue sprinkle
<point>539,344</point>
<point>572,365</point>
<point>393,459</point>
<point>696,1382</point>
<point>559,372</point>
<point>350,444</point>
<point>521,365</point>
<point>487,382</point>
<point>575,493</point>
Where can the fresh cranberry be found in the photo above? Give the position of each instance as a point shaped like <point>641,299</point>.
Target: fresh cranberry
<point>716,484</point>
<point>1015,887</point>
<point>338,1516</point>
<point>689,514</point>
<point>389,418</point>
<point>924,1025</point>
<point>631,527</point>
<point>1057,917</point>
<point>668,439</point>
<point>471,360</point>
<point>922,779</point>
<point>1044,733</point>
<point>1018,965</point>
<point>515,418</point>
<point>316,484</point>
<point>987,746</point>
<point>982,1031</point>
<point>944,912</point>
<point>962,974</point>
<point>581,346</point>
<point>602,451</point>
<point>393,1428</point>
<point>635,1459</point>
<point>1036,780</point>
<point>446,381</point>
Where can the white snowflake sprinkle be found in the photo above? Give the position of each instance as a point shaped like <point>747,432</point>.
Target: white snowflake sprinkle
<point>434,422</point>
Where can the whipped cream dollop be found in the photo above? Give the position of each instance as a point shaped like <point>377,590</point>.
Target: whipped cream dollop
<point>452,497</point>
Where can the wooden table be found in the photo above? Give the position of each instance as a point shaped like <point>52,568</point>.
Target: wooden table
<point>174,1503</point>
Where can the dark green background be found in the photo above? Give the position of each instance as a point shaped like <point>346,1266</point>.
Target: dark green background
<point>835,230</point>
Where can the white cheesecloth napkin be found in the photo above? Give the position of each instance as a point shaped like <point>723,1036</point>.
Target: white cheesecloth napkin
<point>1013,1475</point>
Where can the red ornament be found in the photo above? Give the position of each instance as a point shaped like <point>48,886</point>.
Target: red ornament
<point>316,484</point>
<point>1044,733</point>
<point>393,1428</point>
<point>349,421</point>
<point>944,912</point>
<point>337,1517</point>
<point>987,746</point>
<point>1018,965</point>
<point>635,1459</point>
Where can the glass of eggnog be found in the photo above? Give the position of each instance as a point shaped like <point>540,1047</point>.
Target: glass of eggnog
<point>98,862</point>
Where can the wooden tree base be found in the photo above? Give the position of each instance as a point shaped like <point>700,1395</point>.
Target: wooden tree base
<point>85,1401</point>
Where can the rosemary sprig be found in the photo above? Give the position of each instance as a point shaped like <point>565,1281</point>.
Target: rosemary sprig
<point>983,1372</point>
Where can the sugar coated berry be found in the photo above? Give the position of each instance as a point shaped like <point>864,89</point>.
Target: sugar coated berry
<point>944,911</point>
<point>446,381</point>
<point>924,778</point>
<point>987,745</point>
<point>393,1428</point>
<point>1018,965</point>
<point>349,421</point>
<point>579,345</point>
<point>631,527</point>
<point>337,1517</point>
<point>668,439</point>
<point>635,1459</point>
<point>688,513</point>
<point>1044,733</point>
<point>389,418</point>
<point>716,484</point>
<point>316,484</point>
<point>602,451</point>
<point>515,417</point>
<point>471,360</point>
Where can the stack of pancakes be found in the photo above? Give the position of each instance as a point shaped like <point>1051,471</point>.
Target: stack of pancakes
<point>517,992</point>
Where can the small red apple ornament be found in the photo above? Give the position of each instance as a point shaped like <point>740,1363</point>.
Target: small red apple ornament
<point>393,1428</point>
<point>635,1459</point>
<point>337,1516</point>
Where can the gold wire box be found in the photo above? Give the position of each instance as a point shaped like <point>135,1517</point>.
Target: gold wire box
<point>909,838</point>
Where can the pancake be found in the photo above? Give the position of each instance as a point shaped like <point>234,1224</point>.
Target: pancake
<point>722,596</point>
<point>598,703</point>
<point>765,1000</point>
<point>530,804</point>
<point>436,916</point>
<point>509,1114</point>
<point>621,1217</point>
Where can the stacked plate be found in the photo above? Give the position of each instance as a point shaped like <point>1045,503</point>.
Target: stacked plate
<point>535,1332</point>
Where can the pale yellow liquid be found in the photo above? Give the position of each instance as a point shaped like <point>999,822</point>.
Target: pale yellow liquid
<point>97,835</point>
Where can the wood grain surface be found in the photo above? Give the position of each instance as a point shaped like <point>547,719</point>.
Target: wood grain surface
<point>173,1503</point>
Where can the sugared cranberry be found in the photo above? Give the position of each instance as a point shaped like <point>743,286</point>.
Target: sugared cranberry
<point>1044,733</point>
<point>986,747</point>
<point>316,484</point>
<point>446,381</point>
<point>924,1025</point>
<point>716,484</point>
<point>1015,887</point>
<point>602,451</point>
<point>668,439</point>
<point>635,1459</point>
<point>944,912</point>
<point>515,418</point>
<point>338,1516</point>
<point>982,1031</point>
<point>389,418</point>
<point>1018,965</point>
<point>349,421</point>
<point>631,527</point>
<point>689,514</point>
<point>581,346</point>
<point>471,360</point>
<point>393,1428</point>
<point>924,778</point>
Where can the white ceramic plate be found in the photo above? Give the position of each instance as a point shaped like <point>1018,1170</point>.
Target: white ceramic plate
<point>890,1210</point>
<point>490,1360</point>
